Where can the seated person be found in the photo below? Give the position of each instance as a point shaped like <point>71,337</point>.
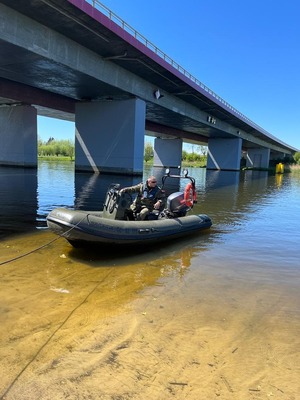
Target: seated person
<point>149,197</point>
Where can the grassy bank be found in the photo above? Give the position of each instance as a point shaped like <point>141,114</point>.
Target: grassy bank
<point>56,158</point>
<point>185,164</point>
<point>295,168</point>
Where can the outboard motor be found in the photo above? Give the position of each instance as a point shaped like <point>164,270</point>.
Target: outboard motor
<point>115,205</point>
<point>176,205</point>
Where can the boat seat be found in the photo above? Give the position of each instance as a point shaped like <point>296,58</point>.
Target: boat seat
<point>116,205</point>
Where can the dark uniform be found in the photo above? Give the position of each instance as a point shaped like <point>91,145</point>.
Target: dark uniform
<point>146,198</point>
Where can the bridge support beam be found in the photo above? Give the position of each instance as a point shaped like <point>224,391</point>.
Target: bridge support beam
<point>167,153</point>
<point>18,136</point>
<point>224,154</point>
<point>258,158</point>
<point>110,137</point>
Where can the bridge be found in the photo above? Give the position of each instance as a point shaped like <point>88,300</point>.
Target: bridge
<point>77,60</point>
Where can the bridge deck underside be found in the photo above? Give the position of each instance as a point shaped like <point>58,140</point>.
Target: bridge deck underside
<point>54,88</point>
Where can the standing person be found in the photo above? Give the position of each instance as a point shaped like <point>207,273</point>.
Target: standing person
<point>149,197</point>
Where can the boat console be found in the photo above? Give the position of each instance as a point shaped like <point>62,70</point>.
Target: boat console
<point>117,206</point>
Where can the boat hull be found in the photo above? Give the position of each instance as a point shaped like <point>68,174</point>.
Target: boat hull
<point>87,228</point>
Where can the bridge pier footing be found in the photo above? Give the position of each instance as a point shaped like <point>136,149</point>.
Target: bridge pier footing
<point>18,136</point>
<point>110,137</point>
<point>224,154</point>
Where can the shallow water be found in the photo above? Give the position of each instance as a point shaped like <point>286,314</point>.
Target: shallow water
<point>212,316</point>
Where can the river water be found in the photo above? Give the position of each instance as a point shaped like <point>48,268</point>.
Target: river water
<point>211,316</point>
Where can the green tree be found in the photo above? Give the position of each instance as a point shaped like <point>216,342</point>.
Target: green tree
<point>148,152</point>
<point>56,148</point>
<point>297,157</point>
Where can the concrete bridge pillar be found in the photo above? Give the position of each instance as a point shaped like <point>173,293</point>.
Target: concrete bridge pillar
<point>167,153</point>
<point>110,137</point>
<point>224,154</point>
<point>18,136</point>
<point>258,158</point>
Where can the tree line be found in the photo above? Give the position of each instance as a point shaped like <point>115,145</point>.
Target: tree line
<point>66,148</point>
<point>297,157</point>
<point>56,148</point>
<point>194,157</point>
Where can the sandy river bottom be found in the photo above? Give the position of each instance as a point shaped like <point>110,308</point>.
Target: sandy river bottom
<point>186,325</point>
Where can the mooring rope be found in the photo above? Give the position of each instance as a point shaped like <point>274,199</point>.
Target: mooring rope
<point>8,389</point>
<point>44,245</point>
<point>29,252</point>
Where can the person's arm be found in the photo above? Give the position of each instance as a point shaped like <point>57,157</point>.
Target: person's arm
<point>131,189</point>
<point>160,200</point>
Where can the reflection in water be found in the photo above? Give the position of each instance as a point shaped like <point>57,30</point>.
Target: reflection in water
<point>216,179</point>
<point>18,199</point>
<point>84,192</point>
<point>26,198</point>
<point>278,178</point>
<point>55,186</point>
<point>91,189</point>
<point>227,197</point>
<point>231,197</point>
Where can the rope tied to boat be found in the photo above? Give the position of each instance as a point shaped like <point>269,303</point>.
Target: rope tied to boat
<point>61,325</point>
<point>44,245</point>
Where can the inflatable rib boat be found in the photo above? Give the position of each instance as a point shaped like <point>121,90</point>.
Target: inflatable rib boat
<point>110,226</point>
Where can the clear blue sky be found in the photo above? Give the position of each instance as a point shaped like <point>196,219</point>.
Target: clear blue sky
<point>248,52</point>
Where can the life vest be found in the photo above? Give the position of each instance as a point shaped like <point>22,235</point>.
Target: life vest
<point>149,193</point>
